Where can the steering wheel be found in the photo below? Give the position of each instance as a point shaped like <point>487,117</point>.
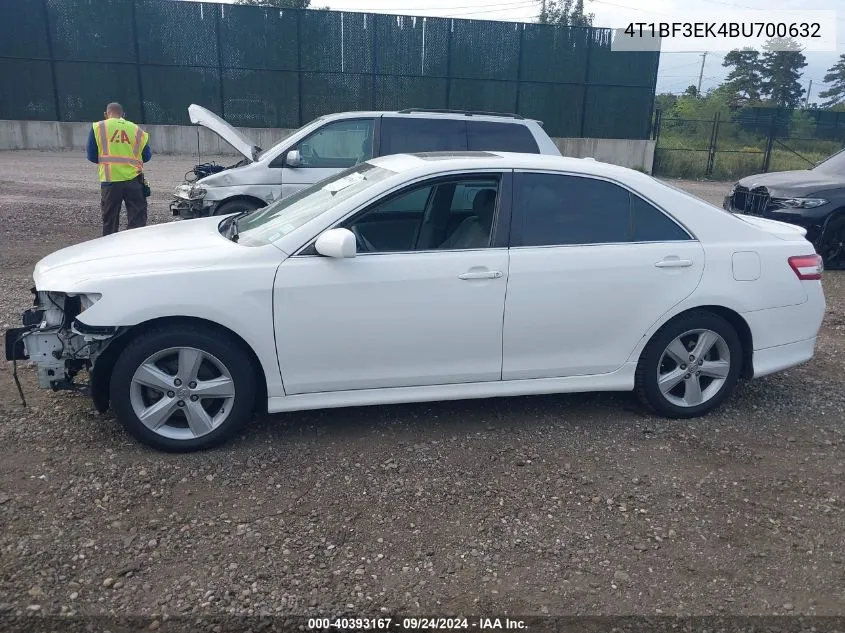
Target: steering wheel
<point>363,243</point>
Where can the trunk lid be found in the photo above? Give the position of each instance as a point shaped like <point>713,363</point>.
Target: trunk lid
<point>782,230</point>
<point>209,120</point>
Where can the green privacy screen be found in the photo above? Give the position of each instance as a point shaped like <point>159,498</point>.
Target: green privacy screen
<point>262,67</point>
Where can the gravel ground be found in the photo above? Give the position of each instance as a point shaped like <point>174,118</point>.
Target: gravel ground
<point>576,504</point>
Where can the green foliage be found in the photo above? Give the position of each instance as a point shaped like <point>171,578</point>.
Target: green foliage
<point>565,12</point>
<point>835,78</point>
<point>745,79</point>
<point>665,101</point>
<point>782,72</point>
<point>802,125</point>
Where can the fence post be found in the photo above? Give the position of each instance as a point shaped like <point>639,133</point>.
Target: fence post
<point>711,154</point>
<point>143,112</point>
<point>590,33</point>
<point>519,67</point>
<point>219,18</point>
<point>770,142</point>
<point>299,66</point>
<point>56,103</point>
<point>449,63</point>
<point>375,61</point>
<point>655,132</point>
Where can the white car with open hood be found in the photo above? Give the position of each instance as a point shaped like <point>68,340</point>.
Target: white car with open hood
<point>332,143</point>
<point>425,277</point>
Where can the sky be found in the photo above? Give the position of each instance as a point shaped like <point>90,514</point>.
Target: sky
<point>677,69</point>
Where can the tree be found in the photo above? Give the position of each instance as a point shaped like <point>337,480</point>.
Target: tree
<point>691,91</point>
<point>565,13</point>
<point>745,78</point>
<point>279,4</point>
<point>665,101</point>
<point>781,72</point>
<point>835,77</point>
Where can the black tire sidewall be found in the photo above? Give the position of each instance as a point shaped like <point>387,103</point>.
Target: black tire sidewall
<point>235,206</point>
<point>647,386</point>
<point>216,343</point>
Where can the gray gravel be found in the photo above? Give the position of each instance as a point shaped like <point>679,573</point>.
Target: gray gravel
<point>577,504</point>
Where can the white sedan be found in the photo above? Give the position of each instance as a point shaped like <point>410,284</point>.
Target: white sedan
<point>424,277</point>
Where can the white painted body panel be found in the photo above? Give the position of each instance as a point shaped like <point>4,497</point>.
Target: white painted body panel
<point>401,327</point>
<point>390,320</point>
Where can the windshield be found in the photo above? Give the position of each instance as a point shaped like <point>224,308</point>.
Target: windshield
<point>288,214</point>
<point>833,164</point>
<point>286,136</point>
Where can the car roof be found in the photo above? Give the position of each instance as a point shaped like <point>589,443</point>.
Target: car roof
<point>434,162</point>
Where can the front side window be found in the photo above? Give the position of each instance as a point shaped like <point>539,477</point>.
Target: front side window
<point>563,210</point>
<point>454,214</point>
<point>338,145</point>
<point>288,214</point>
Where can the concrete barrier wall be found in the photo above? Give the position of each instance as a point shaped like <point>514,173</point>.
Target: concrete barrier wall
<point>188,139</point>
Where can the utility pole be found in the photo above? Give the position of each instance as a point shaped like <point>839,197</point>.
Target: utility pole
<point>807,100</point>
<point>701,74</point>
<point>543,12</point>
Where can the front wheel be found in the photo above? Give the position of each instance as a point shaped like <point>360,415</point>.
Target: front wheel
<point>183,388</point>
<point>236,206</point>
<point>690,366</point>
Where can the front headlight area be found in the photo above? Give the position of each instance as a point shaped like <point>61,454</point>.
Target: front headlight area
<point>53,341</point>
<point>190,192</point>
<point>798,203</point>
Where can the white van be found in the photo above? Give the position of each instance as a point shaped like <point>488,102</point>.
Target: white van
<point>335,142</point>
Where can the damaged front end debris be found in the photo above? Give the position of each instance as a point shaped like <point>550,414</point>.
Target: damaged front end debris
<point>56,341</point>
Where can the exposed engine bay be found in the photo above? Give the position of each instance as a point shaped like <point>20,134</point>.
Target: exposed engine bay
<point>54,340</point>
<point>188,197</point>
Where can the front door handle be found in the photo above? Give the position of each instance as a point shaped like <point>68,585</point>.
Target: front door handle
<point>485,274</point>
<point>674,262</point>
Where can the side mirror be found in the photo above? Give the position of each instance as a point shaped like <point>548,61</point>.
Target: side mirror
<point>337,243</point>
<point>293,159</point>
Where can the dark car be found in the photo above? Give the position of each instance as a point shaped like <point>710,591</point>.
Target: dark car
<point>811,198</point>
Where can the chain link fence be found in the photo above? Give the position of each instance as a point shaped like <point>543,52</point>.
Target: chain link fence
<point>63,60</point>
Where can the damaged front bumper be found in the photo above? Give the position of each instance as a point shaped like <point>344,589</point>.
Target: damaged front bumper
<point>56,341</point>
<point>189,202</point>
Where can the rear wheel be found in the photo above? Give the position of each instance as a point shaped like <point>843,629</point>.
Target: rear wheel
<point>236,206</point>
<point>183,388</point>
<point>690,366</point>
<point>832,245</point>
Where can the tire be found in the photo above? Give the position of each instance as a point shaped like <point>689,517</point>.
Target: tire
<point>832,248</point>
<point>667,387</point>
<point>236,206</point>
<point>152,378</point>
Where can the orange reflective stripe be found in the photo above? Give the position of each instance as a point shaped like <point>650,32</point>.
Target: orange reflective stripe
<point>104,138</point>
<point>136,147</point>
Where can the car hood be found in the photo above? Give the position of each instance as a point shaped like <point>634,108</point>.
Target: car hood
<point>793,183</point>
<point>155,249</point>
<point>209,120</point>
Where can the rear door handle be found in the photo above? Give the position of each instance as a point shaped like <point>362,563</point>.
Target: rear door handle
<point>674,262</point>
<point>486,274</point>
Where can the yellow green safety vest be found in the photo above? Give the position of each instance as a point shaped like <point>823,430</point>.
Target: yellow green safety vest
<point>119,147</point>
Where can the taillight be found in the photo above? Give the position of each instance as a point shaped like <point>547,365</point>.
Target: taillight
<point>807,267</point>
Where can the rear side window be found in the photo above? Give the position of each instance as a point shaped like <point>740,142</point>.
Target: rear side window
<point>500,137</point>
<point>651,225</point>
<point>569,210</point>
<point>409,135</point>
<point>562,210</point>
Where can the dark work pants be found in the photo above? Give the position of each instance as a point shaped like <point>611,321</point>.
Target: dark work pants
<point>113,194</point>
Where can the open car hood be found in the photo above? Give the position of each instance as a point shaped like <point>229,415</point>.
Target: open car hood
<point>207,119</point>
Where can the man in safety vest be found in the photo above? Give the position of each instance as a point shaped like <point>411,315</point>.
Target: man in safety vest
<point>120,148</point>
